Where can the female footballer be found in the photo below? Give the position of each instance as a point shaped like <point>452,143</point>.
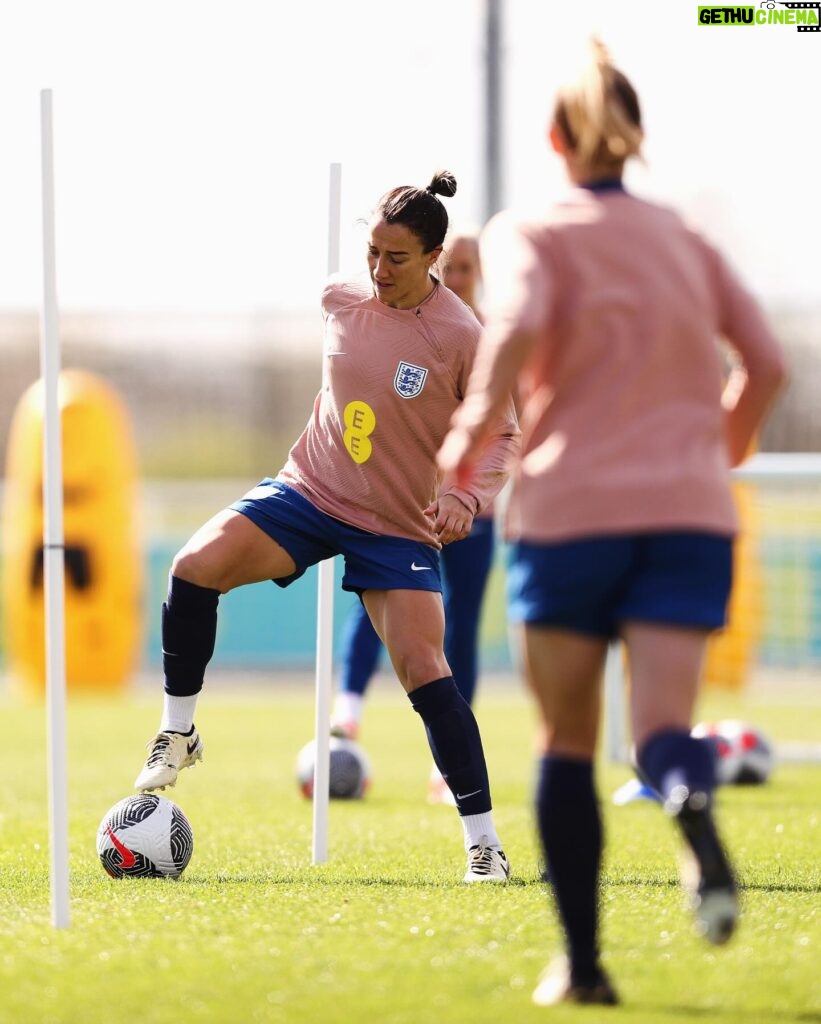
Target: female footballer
<point>362,481</point>
<point>607,313</point>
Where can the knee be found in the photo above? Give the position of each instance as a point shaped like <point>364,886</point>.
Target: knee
<point>194,568</point>
<point>418,665</point>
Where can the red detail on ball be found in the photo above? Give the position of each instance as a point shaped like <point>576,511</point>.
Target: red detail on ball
<point>127,858</point>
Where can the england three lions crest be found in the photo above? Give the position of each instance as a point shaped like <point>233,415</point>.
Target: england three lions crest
<point>409,379</point>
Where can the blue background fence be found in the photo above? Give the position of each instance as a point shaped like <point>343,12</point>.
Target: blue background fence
<point>264,625</point>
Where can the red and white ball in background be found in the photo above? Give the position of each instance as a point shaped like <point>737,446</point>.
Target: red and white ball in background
<point>744,756</point>
<point>350,770</point>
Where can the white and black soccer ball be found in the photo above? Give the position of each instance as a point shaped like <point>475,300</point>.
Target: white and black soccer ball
<point>744,756</point>
<point>145,836</point>
<point>350,770</point>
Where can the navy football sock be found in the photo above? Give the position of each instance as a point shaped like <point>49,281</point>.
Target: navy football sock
<point>567,814</point>
<point>455,743</point>
<point>189,631</point>
<point>672,757</point>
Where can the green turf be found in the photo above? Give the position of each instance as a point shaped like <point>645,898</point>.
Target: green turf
<point>384,932</point>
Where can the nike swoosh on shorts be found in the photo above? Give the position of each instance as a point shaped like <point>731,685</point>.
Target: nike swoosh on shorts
<point>420,568</point>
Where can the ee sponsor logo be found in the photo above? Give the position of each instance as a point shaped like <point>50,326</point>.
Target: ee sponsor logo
<point>360,423</point>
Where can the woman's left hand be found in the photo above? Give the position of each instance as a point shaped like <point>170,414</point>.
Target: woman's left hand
<point>451,519</point>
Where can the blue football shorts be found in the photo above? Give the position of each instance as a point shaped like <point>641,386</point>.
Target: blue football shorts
<point>595,584</point>
<point>372,561</point>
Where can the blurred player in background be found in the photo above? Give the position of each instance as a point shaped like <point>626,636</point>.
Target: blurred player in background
<point>608,312</point>
<point>465,569</point>
<point>362,481</point>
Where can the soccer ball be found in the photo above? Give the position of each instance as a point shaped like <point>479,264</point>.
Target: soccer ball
<point>743,754</point>
<point>145,836</point>
<point>350,770</point>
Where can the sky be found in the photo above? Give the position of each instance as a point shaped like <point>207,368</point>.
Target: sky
<point>193,138</point>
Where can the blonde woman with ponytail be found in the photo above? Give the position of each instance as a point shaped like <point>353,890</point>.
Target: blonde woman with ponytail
<point>606,315</point>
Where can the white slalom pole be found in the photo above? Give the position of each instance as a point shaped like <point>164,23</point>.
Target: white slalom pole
<point>615,710</point>
<point>325,605</point>
<point>53,548</point>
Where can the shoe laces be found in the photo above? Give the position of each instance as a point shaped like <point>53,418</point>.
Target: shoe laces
<point>480,857</point>
<point>159,748</point>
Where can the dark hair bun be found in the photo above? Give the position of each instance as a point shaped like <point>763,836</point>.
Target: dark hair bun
<point>442,183</point>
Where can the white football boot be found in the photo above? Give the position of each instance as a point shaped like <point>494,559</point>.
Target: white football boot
<point>168,754</point>
<point>486,864</point>
<point>557,986</point>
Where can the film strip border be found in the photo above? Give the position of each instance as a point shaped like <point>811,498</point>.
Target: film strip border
<point>804,7</point>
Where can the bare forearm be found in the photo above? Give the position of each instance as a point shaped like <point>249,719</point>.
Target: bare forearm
<point>746,400</point>
<point>490,471</point>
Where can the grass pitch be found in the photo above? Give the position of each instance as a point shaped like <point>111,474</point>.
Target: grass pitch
<point>384,932</point>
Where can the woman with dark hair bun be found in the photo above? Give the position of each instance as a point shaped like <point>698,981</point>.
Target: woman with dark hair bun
<point>419,210</point>
<point>466,567</point>
<point>362,481</point>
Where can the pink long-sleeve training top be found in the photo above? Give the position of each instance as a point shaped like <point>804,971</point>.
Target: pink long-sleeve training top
<point>623,428</point>
<point>392,379</point>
